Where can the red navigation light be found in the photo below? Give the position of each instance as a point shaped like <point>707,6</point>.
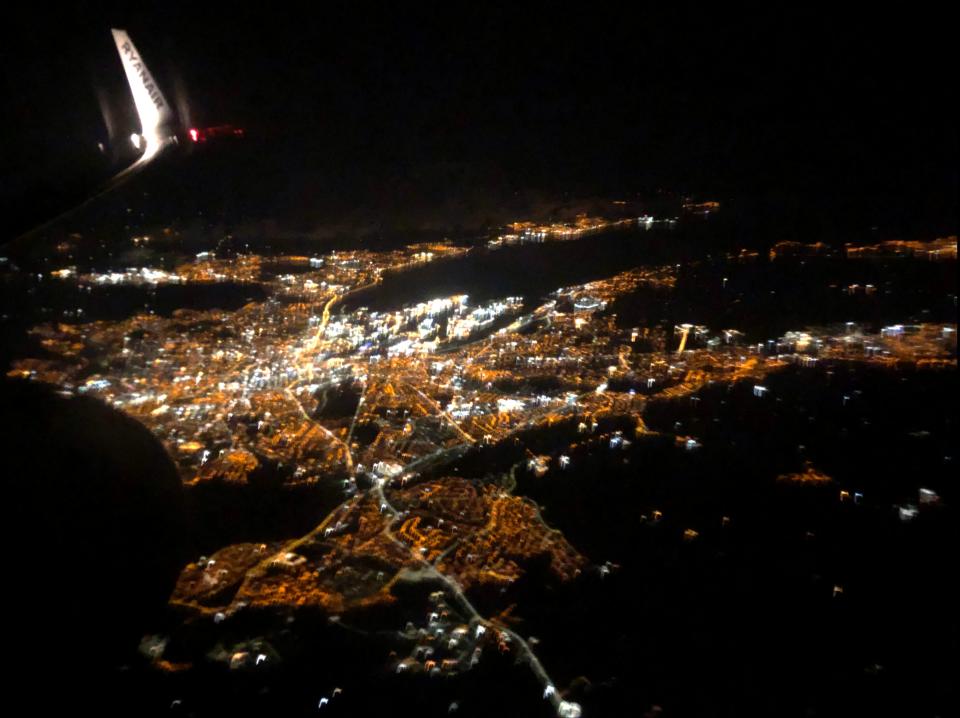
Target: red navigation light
<point>194,134</point>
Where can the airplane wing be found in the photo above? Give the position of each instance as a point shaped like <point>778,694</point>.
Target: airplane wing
<point>152,107</point>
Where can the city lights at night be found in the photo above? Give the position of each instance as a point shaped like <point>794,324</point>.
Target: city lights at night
<point>479,362</point>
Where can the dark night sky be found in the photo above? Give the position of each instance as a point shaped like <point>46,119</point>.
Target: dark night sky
<point>803,103</point>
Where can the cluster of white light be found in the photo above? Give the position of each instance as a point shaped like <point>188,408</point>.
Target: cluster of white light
<point>143,275</point>
<point>506,406</point>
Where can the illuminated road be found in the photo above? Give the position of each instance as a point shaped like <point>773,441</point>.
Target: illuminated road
<point>563,708</point>
<point>348,458</point>
<point>444,414</point>
<point>683,339</point>
<point>324,320</point>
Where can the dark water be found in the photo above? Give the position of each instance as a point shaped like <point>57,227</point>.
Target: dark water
<point>528,270</point>
<point>27,298</point>
<point>766,298</point>
<point>745,613</point>
<point>26,302</point>
<point>761,297</point>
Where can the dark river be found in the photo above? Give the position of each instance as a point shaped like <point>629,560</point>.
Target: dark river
<point>528,270</point>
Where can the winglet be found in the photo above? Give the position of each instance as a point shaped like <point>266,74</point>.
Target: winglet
<point>152,106</point>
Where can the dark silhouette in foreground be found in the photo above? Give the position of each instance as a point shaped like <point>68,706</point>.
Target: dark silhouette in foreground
<point>96,536</point>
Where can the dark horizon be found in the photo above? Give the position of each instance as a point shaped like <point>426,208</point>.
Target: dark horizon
<point>841,115</point>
